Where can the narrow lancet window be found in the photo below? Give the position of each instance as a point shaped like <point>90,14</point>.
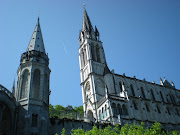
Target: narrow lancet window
<point>92,53</point>
<point>98,55</point>
<point>24,87</point>
<point>34,120</point>
<point>120,86</point>
<point>132,90</point>
<point>119,109</point>
<point>114,109</point>
<point>142,91</point>
<point>36,84</point>
<point>124,108</point>
<point>153,98</point>
<point>162,98</point>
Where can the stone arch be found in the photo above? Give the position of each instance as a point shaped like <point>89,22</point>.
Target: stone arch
<point>7,113</point>
<point>5,120</point>
<point>87,90</point>
<point>114,109</point>
<point>36,84</point>
<point>125,110</point>
<point>25,84</point>
<point>90,115</point>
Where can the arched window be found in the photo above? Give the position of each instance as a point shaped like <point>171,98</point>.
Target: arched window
<point>142,91</point>
<point>120,86</point>
<point>24,87</point>
<point>172,99</point>
<point>105,110</point>
<point>85,57</point>
<point>36,84</point>
<point>147,108</point>
<point>162,98</point>
<point>34,120</point>
<point>46,88</point>
<point>119,109</point>
<point>135,105</point>
<point>158,109</point>
<point>132,90</point>
<point>92,53</point>
<point>114,109</point>
<point>168,111</point>
<point>82,58</point>
<point>167,99</point>
<point>124,109</point>
<point>100,114</point>
<point>153,98</point>
<point>98,55</point>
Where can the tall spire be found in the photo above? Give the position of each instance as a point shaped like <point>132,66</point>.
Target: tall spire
<point>36,43</point>
<point>86,23</point>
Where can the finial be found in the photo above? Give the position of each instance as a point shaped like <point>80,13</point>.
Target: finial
<point>84,6</point>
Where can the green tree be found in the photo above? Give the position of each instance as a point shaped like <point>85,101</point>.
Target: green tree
<point>78,109</point>
<point>51,110</point>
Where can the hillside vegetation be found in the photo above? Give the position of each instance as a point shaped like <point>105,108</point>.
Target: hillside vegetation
<point>134,129</point>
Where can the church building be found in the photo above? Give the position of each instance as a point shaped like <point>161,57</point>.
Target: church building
<point>107,97</point>
<point>120,99</point>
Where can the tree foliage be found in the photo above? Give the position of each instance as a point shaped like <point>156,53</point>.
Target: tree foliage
<point>59,109</point>
<point>127,129</point>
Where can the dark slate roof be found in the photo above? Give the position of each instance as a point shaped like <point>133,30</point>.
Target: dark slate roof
<point>36,43</point>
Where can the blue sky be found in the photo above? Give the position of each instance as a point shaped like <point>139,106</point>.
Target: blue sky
<point>140,37</point>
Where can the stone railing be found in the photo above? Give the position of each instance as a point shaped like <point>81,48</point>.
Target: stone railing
<point>70,115</point>
<point>2,88</point>
<point>85,117</point>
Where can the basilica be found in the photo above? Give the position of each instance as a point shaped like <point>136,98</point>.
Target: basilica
<point>107,97</point>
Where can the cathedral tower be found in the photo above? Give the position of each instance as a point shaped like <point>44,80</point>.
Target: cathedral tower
<point>32,91</point>
<point>92,67</point>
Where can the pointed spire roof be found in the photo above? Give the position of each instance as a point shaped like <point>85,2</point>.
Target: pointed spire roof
<point>36,43</point>
<point>86,22</point>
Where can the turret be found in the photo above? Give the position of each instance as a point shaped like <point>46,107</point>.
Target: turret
<point>32,91</point>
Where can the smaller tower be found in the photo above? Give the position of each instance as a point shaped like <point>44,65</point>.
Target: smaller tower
<point>32,91</point>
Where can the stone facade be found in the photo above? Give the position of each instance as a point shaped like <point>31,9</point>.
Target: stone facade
<point>108,96</point>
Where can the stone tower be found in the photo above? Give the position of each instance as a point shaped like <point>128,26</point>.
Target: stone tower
<point>93,67</point>
<point>32,92</point>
